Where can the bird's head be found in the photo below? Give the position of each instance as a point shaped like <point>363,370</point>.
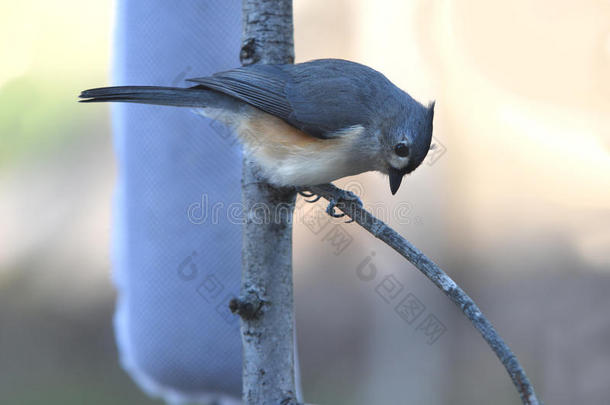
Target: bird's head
<point>406,142</point>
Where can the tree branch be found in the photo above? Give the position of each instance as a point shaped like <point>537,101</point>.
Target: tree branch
<point>265,304</point>
<point>383,232</point>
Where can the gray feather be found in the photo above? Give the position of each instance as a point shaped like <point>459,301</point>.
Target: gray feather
<point>320,97</point>
<point>153,95</point>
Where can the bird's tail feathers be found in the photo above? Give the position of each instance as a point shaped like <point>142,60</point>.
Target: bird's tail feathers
<point>173,96</point>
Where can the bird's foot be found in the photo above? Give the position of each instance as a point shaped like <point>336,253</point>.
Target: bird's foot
<point>346,196</point>
<point>332,202</point>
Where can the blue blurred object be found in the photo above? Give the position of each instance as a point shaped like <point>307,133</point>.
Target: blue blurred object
<point>176,237</point>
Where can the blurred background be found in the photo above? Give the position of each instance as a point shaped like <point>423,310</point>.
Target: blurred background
<point>514,203</point>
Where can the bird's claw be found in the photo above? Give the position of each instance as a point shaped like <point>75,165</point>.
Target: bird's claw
<point>345,195</point>
<point>309,194</point>
<point>332,203</point>
<point>330,210</point>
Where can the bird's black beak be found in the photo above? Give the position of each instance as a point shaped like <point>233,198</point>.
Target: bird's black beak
<point>395,179</point>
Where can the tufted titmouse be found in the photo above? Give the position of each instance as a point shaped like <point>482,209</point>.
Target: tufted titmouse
<point>308,123</point>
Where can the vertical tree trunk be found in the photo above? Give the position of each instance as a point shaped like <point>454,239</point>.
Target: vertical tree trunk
<point>266,302</point>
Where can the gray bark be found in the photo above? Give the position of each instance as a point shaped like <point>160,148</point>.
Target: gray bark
<point>266,301</point>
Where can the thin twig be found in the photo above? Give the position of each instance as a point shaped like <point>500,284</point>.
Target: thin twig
<point>383,232</point>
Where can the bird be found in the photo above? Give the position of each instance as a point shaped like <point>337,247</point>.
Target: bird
<point>307,123</point>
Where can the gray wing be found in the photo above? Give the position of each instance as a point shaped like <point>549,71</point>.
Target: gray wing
<point>321,97</point>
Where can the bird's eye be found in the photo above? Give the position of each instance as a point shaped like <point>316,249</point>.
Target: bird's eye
<point>401,150</point>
